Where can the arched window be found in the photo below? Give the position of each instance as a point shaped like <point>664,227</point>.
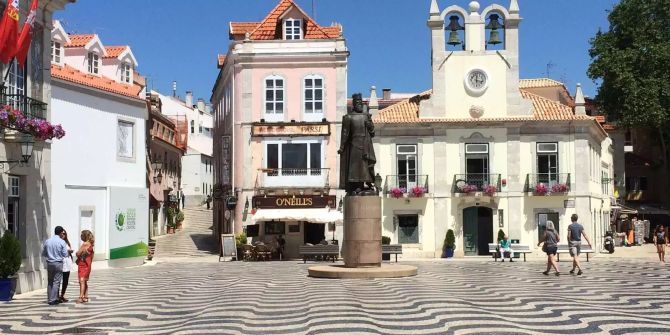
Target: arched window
<point>274,98</point>
<point>313,97</point>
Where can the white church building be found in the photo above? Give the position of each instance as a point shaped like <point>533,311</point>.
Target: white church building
<point>483,150</point>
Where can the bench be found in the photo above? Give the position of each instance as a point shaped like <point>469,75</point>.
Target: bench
<point>388,249</point>
<point>563,249</point>
<point>326,251</point>
<point>516,248</point>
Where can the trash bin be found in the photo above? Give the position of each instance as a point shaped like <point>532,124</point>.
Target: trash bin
<point>516,254</point>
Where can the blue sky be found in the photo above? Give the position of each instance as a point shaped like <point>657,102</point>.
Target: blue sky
<point>388,39</point>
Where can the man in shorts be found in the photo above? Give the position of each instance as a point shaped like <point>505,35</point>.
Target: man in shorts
<point>575,233</point>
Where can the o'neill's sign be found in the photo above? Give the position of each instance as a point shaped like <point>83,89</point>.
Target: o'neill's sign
<point>298,201</point>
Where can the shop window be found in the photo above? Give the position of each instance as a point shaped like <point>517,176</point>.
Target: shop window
<point>408,229</point>
<point>275,228</point>
<point>294,228</point>
<point>542,219</point>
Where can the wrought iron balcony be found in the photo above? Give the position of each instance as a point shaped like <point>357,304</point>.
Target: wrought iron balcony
<point>30,107</point>
<point>547,183</point>
<point>405,183</point>
<point>476,182</point>
<point>291,177</point>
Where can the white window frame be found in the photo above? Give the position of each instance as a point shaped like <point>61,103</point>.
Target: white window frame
<point>410,180</point>
<point>552,177</point>
<point>310,179</point>
<point>119,155</point>
<point>293,29</point>
<point>313,114</point>
<point>93,62</point>
<point>56,52</point>
<point>14,187</point>
<point>126,75</point>
<point>272,115</point>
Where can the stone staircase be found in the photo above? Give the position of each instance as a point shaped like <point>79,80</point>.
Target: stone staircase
<point>193,241</point>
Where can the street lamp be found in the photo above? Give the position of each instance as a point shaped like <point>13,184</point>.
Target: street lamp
<point>27,145</point>
<point>157,166</point>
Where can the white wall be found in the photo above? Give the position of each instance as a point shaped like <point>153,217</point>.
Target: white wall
<point>85,163</point>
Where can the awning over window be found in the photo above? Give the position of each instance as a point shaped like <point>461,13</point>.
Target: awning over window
<point>314,215</point>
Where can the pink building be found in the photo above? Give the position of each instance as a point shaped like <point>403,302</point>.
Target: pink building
<point>278,101</point>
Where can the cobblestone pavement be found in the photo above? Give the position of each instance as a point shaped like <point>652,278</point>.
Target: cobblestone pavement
<point>447,297</point>
<point>194,241</point>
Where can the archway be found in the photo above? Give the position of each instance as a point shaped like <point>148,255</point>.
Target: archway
<point>477,230</point>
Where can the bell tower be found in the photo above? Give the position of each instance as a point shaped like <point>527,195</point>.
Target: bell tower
<point>475,62</point>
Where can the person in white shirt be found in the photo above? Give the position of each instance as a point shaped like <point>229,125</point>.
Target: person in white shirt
<point>67,267</point>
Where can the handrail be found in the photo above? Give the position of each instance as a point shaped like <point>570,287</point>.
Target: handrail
<point>31,108</point>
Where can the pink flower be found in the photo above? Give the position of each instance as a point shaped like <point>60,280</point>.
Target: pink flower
<point>397,192</point>
<point>541,189</point>
<point>418,191</point>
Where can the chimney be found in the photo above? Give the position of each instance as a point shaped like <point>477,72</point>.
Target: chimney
<point>189,98</point>
<point>201,104</point>
<point>174,88</point>
<point>373,104</point>
<point>580,103</point>
<point>386,93</point>
<point>208,108</point>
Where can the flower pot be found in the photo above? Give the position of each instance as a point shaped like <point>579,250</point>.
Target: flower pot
<point>448,253</point>
<point>170,230</point>
<point>179,225</point>
<point>7,289</point>
<point>386,257</point>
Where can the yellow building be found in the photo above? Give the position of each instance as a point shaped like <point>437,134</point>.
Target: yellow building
<point>489,150</point>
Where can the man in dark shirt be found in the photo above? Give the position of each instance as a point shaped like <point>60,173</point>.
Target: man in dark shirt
<point>575,233</point>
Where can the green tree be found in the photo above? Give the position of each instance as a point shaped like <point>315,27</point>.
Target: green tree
<point>631,63</point>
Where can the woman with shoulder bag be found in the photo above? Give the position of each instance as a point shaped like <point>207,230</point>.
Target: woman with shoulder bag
<point>550,247</point>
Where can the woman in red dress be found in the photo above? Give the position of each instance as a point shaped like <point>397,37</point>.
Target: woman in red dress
<point>84,260</point>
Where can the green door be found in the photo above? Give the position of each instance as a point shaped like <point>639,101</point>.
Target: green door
<point>470,228</point>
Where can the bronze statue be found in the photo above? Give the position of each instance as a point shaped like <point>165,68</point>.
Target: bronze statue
<point>357,155</point>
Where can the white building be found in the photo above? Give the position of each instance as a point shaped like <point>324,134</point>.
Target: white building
<point>491,151</point>
<point>99,170</point>
<point>197,176</point>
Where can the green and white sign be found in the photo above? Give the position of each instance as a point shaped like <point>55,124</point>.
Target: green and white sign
<point>128,233</point>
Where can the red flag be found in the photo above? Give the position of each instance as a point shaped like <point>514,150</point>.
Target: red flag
<point>26,35</point>
<point>9,28</point>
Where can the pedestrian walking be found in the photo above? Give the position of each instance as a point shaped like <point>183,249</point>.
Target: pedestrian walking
<point>660,240</point>
<point>54,250</point>
<point>505,246</point>
<point>575,233</point>
<point>84,262</point>
<point>209,200</point>
<point>550,247</point>
<point>67,267</point>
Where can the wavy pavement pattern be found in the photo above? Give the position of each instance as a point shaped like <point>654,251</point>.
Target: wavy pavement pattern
<point>459,297</point>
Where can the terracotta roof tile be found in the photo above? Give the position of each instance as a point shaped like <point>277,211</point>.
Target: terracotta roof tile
<point>270,28</point>
<point>79,40</point>
<point>68,73</point>
<point>115,51</point>
<point>220,60</point>
<point>239,29</point>
<point>538,83</point>
<point>407,111</point>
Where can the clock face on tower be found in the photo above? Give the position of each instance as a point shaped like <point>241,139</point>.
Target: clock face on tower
<point>476,81</point>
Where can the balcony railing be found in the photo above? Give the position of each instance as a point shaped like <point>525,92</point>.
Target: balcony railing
<point>405,183</point>
<point>290,177</point>
<point>30,107</point>
<point>546,183</point>
<point>476,182</point>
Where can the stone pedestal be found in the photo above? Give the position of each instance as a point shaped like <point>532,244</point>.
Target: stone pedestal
<point>362,242</point>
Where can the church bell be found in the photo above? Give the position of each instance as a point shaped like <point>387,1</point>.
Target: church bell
<point>454,27</point>
<point>494,25</point>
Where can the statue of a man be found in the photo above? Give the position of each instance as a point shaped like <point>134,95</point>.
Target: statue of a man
<point>357,155</point>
